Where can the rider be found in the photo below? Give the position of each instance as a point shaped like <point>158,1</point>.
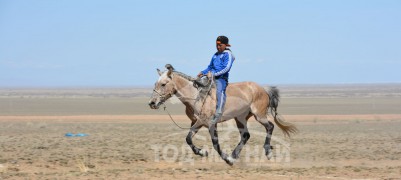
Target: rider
<point>219,66</point>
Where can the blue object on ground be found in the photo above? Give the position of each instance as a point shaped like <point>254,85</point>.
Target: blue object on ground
<point>75,135</point>
<point>69,135</point>
<point>80,135</point>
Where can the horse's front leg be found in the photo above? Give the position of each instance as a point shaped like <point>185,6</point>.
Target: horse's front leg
<point>194,129</point>
<point>215,140</point>
<point>195,126</point>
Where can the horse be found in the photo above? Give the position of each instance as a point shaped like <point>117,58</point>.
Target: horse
<point>244,100</point>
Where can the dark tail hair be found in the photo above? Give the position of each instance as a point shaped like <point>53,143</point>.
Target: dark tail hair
<point>287,127</point>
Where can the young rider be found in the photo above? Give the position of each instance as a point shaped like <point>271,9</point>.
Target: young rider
<point>220,66</point>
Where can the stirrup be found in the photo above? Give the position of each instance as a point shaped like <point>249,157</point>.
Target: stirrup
<point>216,118</point>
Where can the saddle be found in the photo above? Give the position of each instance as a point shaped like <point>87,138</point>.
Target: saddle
<point>204,85</point>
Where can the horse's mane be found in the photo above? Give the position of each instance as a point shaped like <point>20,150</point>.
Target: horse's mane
<point>198,83</point>
<point>202,85</point>
<point>183,75</point>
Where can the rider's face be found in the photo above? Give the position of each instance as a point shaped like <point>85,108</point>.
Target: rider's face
<point>220,47</point>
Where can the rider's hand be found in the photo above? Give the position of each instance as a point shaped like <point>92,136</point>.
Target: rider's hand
<point>200,75</point>
<point>210,74</point>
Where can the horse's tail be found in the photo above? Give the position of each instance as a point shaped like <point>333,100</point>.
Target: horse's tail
<point>287,127</point>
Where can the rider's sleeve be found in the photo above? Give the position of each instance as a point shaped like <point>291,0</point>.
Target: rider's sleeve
<point>227,63</point>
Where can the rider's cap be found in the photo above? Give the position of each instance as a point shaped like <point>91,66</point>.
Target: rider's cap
<point>222,40</point>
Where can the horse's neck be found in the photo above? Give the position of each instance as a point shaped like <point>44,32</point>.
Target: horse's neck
<point>186,92</point>
<point>188,95</point>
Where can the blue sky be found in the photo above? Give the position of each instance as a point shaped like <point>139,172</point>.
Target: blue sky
<point>52,43</point>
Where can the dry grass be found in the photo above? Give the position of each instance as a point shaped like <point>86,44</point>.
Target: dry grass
<point>82,166</point>
<point>354,137</point>
<point>3,169</point>
<point>121,149</point>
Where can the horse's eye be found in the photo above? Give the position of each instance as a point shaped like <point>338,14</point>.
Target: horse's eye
<point>163,85</point>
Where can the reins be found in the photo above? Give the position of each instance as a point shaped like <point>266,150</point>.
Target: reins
<point>203,103</point>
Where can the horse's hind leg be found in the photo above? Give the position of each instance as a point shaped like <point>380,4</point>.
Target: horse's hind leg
<point>194,129</point>
<point>243,130</point>
<point>215,140</point>
<point>269,126</point>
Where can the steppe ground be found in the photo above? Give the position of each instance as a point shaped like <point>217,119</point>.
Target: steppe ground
<point>346,132</point>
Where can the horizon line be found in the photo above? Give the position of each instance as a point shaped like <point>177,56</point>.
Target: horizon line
<point>150,86</point>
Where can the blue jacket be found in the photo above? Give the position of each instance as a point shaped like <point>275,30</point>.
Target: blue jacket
<point>220,64</point>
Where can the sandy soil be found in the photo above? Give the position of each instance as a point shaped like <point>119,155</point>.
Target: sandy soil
<point>346,132</point>
<point>152,147</point>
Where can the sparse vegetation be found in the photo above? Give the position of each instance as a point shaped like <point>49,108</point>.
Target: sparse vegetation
<point>338,138</point>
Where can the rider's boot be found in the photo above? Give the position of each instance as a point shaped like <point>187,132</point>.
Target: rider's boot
<point>216,118</point>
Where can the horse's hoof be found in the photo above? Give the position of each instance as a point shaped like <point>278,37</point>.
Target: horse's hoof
<point>269,154</point>
<point>203,153</point>
<point>229,160</point>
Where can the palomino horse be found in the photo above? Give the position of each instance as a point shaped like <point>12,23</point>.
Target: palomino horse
<point>244,100</point>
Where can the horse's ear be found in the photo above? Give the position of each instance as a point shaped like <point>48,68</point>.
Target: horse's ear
<point>170,69</point>
<point>169,72</point>
<point>159,72</point>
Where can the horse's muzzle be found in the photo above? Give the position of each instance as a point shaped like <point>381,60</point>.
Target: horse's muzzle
<point>152,105</point>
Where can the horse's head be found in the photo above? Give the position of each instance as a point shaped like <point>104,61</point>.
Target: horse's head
<point>164,88</point>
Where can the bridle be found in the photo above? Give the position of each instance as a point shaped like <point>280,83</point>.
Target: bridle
<point>170,94</point>
<point>163,99</point>
<point>163,96</point>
